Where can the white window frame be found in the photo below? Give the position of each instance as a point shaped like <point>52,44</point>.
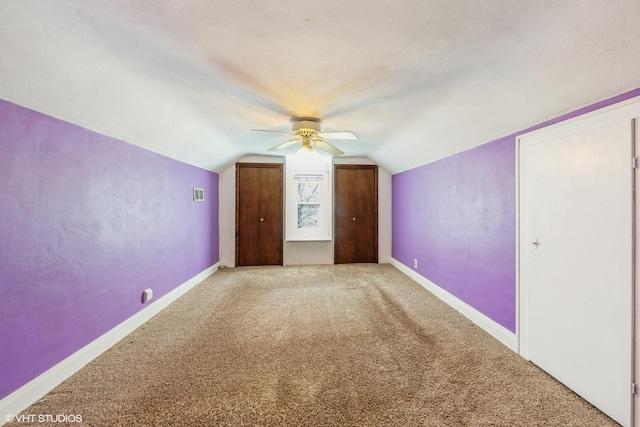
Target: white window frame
<point>309,165</point>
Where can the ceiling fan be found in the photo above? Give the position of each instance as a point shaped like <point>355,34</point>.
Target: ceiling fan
<point>306,130</point>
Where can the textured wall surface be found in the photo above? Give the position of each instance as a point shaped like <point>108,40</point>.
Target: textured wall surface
<point>88,222</point>
<point>457,217</point>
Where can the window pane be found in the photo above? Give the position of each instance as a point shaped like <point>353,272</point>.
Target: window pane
<point>308,216</point>
<point>308,188</point>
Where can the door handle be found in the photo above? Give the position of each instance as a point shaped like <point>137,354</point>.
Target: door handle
<point>354,218</point>
<point>536,243</point>
<point>261,219</point>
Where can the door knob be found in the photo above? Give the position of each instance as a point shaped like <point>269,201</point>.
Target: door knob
<point>354,218</point>
<point>261,219</point>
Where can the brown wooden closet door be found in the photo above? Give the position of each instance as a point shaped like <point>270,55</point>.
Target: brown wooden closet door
<point>356,214</point>
<point>259,214</point>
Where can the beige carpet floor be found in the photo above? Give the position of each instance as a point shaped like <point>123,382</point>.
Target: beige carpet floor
<point>346,345</point>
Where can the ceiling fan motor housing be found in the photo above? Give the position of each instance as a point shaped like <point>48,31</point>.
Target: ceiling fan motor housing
<point>306,123</point>
<point>307,131</point>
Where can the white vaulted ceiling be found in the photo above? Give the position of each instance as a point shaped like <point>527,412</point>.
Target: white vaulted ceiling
<point>417,80</point>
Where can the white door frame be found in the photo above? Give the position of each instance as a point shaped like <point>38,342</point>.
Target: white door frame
<point>626,110</point>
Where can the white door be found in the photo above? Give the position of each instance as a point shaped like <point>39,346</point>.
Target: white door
<point>576,266</point>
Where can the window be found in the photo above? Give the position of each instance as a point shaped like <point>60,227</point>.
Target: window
<point>309,188</point>
<point>308,197</point>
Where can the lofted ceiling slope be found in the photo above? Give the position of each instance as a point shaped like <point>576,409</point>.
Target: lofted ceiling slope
<point>417,80</point>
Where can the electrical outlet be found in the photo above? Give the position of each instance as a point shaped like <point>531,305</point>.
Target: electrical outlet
<point>415,263</point>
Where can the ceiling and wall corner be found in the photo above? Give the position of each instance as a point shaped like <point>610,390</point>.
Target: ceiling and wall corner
<point>417,81</point>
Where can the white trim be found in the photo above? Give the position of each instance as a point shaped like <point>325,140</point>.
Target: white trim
<point>45,382</point>
<point>496,330</point>
<point>624,110</point>
<point>519,295</point>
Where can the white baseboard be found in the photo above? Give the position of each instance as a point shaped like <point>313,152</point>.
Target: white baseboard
<point>496,330</point>
<point>45,382</point>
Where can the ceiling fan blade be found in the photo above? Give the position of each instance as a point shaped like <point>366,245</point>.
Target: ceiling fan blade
<point>284,145</point>
<point>272,131</point>
<point>347,134</point>
<point>328,148</point>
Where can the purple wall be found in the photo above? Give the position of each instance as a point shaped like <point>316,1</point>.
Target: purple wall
<point>457,217</point>
<point>88,222</point>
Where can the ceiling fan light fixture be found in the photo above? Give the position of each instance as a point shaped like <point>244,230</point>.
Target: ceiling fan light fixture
<point>307,131</point>
<point>306,145</point>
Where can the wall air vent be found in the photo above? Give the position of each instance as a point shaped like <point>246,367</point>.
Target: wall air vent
<point>198,194</point>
